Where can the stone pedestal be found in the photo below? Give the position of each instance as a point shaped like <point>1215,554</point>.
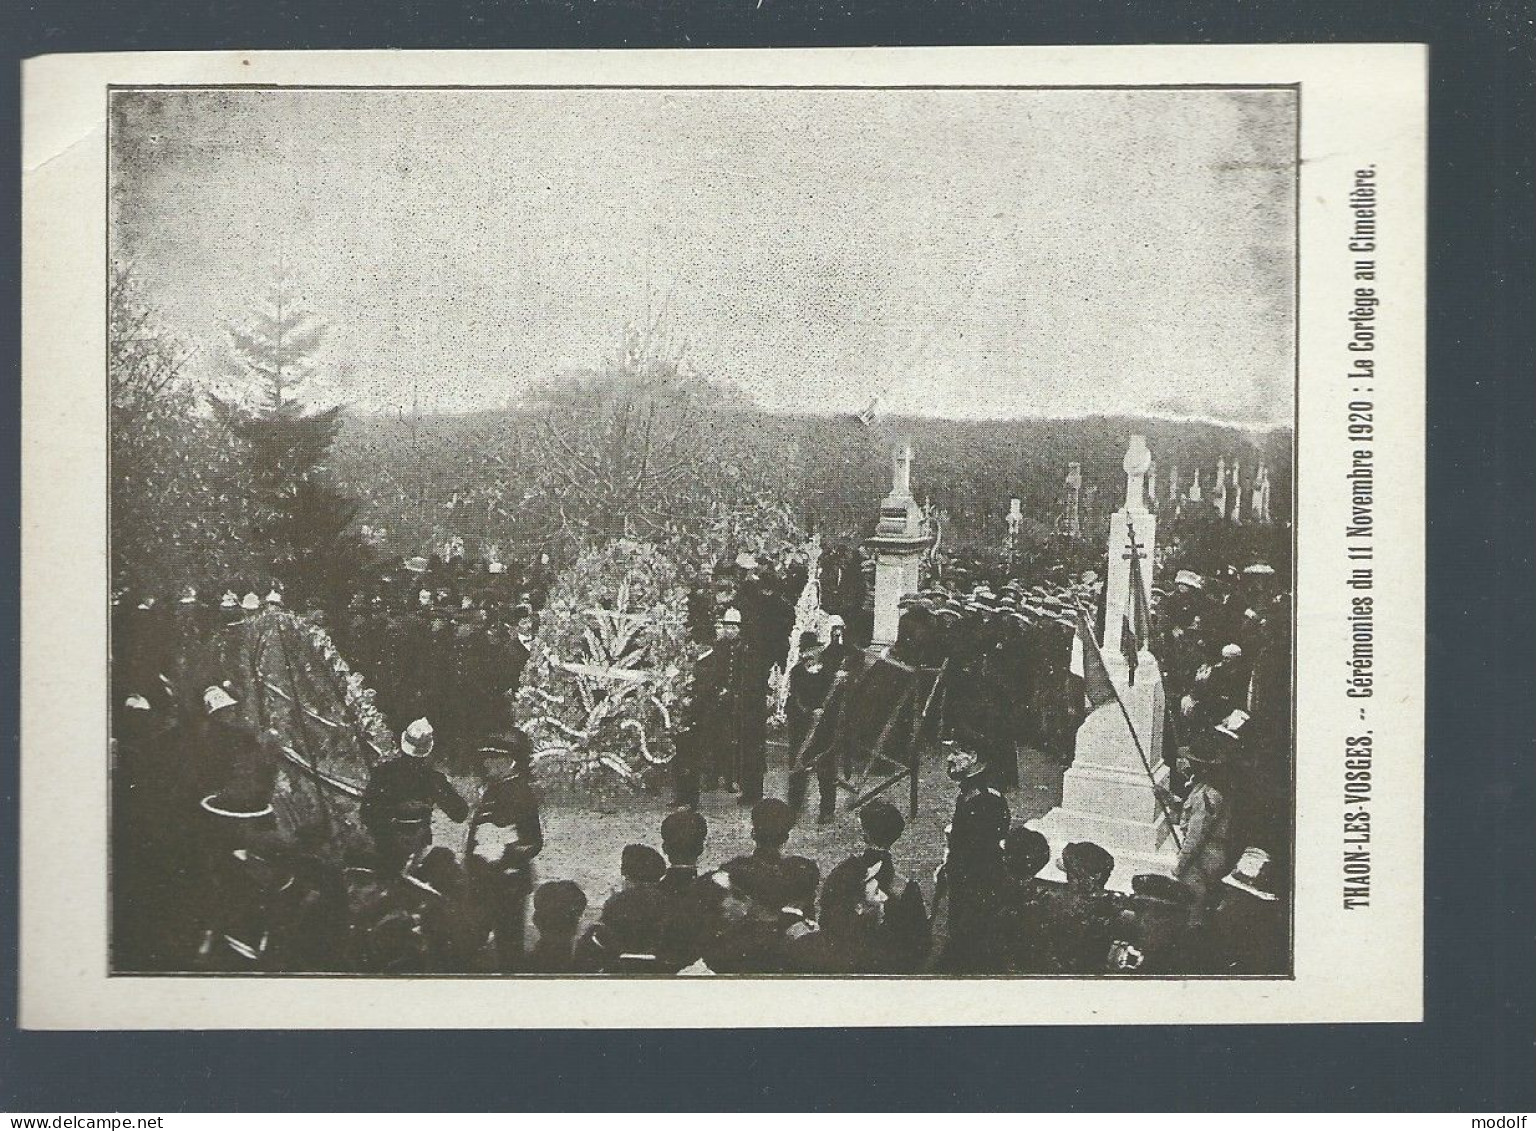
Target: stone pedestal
<point>1107,796</point>
<point>898,545</point>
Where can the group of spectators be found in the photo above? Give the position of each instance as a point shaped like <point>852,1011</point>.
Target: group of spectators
<point>444,641</point>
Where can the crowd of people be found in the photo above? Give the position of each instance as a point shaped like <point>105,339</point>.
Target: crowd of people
<point>245,899</point>
<point>204,880</point>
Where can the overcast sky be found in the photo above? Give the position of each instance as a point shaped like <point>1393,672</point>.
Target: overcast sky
<point>961,253</point>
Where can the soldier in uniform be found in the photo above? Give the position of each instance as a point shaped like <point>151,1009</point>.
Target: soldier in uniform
<point>401,795</point>
<point>501,871</point>
<point>724,704</point>
<point>1205,819</point>
<point>238,842</point>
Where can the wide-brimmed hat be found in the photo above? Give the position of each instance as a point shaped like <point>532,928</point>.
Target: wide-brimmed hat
<point>416,564</point>
<point>1253,874</point>
<point>1190,578</point>
<point>250,602</point>
<point>1232,725</point>
<point>416,739</point>
<point>731,616</point>
<point>216,698</point>
<point>1262,569</point>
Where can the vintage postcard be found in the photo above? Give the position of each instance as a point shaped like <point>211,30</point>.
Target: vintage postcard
<point>761,538</point>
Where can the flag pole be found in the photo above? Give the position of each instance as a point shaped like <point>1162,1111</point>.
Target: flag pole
<point>1173,826</point>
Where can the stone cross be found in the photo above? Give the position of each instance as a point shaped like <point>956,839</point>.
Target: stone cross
<point>901,472</point>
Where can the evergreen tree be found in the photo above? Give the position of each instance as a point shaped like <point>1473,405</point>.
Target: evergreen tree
<point>317,553</point>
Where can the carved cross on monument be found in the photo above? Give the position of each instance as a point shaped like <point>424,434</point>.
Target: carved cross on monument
<point>901,472</point>
<point>1133,549</point>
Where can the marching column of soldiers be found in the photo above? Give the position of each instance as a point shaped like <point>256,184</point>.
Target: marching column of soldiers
<point>203,880</point>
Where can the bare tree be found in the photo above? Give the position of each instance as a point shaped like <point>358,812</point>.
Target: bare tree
<point>622,448</point>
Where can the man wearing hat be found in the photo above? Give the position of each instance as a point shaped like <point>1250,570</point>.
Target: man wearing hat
<point>1246,934</point>
<point>732,717</point>
<point>972,873</point>
<point>505,835</point>
<point>1157,926</point>
<point>238,834</point>
<point>401,795</point>
<point>1205,819</point>
<point>1085,920</point>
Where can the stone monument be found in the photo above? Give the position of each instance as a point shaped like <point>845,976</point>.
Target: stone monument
<point>1260,507</point>
<point>1074,499</point>
<point>1219,497</point>
<point>1108,794</point>
<point>899,544</point>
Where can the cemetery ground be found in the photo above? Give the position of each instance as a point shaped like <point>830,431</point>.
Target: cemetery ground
<point>587,826</point>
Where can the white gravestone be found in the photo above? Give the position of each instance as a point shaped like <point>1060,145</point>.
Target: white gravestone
<point>1108,794</point>
<point>899,544</point>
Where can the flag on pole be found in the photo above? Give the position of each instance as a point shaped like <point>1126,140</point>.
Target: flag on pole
<point>1136,624</point>
<point>1088,663</point>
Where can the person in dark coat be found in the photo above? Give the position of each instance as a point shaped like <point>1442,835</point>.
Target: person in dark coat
<point>557,910</point>
<point>236,843</point>
<point>501,867</point>
<point>763,872</point>
<point>852,907</point>
<point>810,694</point>
<point>1155,928</point>
<point>728,715</point>
<point>631,931</point>
<point>438,896</point>
<point>401,795</point>
<point>1246,934</point>
<point>1028,905</point>
<point>905,935</point>
<point>683,834</point>
<point>972,872</point>
<point>1085,923</point>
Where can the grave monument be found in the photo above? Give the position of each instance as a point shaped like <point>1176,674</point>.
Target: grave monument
<point>1108,794</point>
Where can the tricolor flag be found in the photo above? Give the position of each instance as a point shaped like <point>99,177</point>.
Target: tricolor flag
<point>1088,663</point>
<point>1136,624</point>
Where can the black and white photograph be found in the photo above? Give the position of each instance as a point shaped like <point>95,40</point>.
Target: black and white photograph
<point>754,532</point>
<point>746,532</point>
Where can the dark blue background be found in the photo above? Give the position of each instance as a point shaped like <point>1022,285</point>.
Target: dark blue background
<point>1477,1050</point>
